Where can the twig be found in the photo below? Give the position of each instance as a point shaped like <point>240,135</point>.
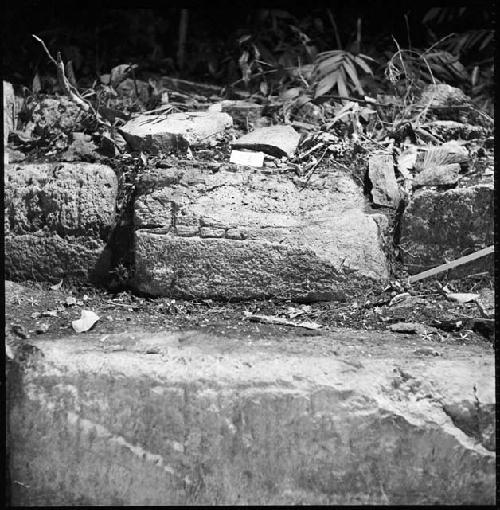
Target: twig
<point>313,168</point>
<point>69,89</point>
<point>451,265</point>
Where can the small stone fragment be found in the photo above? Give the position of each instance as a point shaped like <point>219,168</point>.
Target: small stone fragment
<point>406,327</point>
<point>70,301</point>
<point>274,140</point>
<point>42,328</point>
<point>462,297</point>
<point>385,191</point>
<point>151,133</point>
<point>427,351</point>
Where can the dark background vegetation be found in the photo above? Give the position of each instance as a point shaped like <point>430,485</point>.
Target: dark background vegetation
<point>96,38</point>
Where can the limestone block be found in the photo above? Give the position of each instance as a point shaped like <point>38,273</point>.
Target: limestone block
<point>208,421</point>
<point>441,226</point>
<point>251,234</point>
<point>57,220</point>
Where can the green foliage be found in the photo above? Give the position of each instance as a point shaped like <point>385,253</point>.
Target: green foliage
<point>339,69</point>
<point>478,40</point>
<point>425,66</point>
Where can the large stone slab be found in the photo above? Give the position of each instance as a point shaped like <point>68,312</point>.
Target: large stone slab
<point>213,421</point>
<point>152,133</point>
<point>274,140</point>
<point>239,235</point>
<point>441,226</point>
<point>57,220</point>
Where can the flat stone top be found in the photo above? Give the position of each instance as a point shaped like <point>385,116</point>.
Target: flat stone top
<point>274,140</point>
<point>291,363</point>
<point>178,123</point>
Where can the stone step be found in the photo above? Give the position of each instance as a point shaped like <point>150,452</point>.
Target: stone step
<point>244,233</point>
<point>181,418</point>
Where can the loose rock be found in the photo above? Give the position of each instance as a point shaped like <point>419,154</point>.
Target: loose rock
<point>385,191</point>
<point>274,140</point>
<point>441,226</point>
<point>152,133</point>
<point>407,327</point>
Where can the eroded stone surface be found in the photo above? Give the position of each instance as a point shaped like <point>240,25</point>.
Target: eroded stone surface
<point>152,133</point>
<point>248,234</point>
<point>57,220</point>
<point>43,256</point>
<point>274,140</point>
<point>66,198</point>
<point>9,102</point>
<point>441,226</point>
<point>213,421</point>
<point>385,191</point>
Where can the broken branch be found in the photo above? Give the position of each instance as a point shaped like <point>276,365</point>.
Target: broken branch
<point>451,265</point>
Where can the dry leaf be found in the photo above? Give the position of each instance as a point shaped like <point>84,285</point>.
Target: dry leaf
<point>57,286</point>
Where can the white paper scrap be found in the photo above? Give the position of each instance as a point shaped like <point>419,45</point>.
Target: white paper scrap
<point>248,158</point>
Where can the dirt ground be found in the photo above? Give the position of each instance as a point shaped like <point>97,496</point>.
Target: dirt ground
<point>35,311</point>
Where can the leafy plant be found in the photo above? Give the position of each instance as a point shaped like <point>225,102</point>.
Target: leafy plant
<point>339,69</point>
<point>471,39</point>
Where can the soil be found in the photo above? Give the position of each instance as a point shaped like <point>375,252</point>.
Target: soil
<point>443,325</point>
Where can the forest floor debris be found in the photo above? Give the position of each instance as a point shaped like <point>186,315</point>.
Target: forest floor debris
<point>440,320</point>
